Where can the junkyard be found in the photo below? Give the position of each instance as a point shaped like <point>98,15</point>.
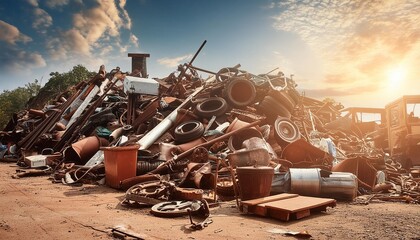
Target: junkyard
<point>235,155</point>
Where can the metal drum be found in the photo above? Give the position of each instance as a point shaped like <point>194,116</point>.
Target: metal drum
<point>305,181</point>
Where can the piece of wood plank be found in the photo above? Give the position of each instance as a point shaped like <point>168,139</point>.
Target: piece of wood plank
<point>280,215</point>
<point>299,203</point>
<point>256,206</point>
<point>259,210</point>
<point>302,214</point>
<point>269,199</point>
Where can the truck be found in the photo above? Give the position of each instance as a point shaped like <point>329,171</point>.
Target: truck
<point>403,127</point>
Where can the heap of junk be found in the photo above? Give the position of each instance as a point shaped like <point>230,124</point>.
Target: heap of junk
<point>183,143</point>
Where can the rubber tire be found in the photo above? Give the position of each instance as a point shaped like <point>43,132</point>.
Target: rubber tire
<point>285,131</point>
<point>294,94</point>
<point>214,106</point>
<point>188,131</point>
<point>283,98</point>
<point>272,109</point>
<point>230,93</point>
<point>220,77</point>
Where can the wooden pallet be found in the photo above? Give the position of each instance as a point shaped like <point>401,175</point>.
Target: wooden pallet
<point>287,206</point>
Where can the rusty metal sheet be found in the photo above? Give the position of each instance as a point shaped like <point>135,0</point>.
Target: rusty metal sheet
<point>303,154</point>
<point>359,166</point>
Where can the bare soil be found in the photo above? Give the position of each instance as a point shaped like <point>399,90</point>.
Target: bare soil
<point>35,208</point>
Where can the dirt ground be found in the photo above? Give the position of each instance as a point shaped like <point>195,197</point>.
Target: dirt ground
<point>35,208</point>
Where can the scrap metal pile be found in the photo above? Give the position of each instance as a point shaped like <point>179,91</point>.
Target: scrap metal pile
<point>191,133</point>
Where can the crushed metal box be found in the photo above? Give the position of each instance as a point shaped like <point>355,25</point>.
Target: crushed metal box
<point>36,161</point>
<point>141,85</point>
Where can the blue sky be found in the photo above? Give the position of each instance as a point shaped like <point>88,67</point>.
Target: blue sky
<point>361,53</point>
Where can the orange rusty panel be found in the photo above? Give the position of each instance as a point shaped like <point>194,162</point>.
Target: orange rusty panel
<point>359,166</point>
<point>303,154</point>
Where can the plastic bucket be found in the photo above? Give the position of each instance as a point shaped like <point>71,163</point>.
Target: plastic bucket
<point>120,164</point>
<point>254,182</point>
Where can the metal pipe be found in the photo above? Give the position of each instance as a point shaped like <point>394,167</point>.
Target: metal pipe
<point>202,70</point>
<point>206,144</point>
<point>198,51</point>
<point>147,140</point>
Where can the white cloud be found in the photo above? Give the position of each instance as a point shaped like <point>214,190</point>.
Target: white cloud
<point>134,40</point>
<point>74,44</point>
<point>358,40</point>
<point>125,14</point>
<point>173,62</point>
<point>17,60</point>
<point>33,2</point>
<point>106,50</point>
<point>99,21</point>
<point>42,19</point>
<point>56,3</point>
<point>11,34</point>
<point>94,30</point>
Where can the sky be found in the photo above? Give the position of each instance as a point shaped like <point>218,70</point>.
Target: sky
<point>362,53</point>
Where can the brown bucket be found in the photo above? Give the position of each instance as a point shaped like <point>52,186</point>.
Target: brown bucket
<point>254,182</point>
<point>120,164</point>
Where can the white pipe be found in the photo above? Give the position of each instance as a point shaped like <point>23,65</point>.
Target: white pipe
<point>147,140</point>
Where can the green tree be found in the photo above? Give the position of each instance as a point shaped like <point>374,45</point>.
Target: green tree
<point>59,83</point>
<point>33,96</point>
<point>15,100</point>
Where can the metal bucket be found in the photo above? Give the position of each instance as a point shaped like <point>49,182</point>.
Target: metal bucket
<point>305,181</point>
<point>254,182</point>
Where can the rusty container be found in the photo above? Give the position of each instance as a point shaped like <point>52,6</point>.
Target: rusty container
<point>81,151</point>
<point>254,182</point>
<point>120,164</point>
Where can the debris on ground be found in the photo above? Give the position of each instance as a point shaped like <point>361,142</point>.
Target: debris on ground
<point>177,142</point>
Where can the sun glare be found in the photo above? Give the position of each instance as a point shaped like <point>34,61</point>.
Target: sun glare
<point>396,76</point>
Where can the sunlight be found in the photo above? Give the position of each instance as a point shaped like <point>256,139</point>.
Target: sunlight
<point>396,76</point>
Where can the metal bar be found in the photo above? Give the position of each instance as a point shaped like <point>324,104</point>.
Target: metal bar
<point>80,122</point>
<point>147,140</point>
<point>198,51</point>
<point>184,70</point>
<point>47,124</point>
<point>202,70</point>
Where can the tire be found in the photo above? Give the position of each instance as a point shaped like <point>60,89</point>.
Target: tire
<point>283,98</point>
<point>271,108</point>
<point>226,73</point>
<point>285,131</point>
<point>294,94</point>
<point>188,131</point>
<point>240,92</point>
<point>214,106</point>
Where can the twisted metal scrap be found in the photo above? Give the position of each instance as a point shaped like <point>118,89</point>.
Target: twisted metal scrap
<point>406,187</point>
<point>151,192</point>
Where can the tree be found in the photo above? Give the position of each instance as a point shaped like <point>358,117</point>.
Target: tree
<point>33,96</point>
<point>59,83</point>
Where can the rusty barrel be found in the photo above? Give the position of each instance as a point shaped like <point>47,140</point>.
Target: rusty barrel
<point>254,182</point>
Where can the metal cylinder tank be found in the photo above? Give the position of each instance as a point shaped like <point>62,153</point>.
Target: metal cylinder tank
<point>339,185</point>
<point>305,181</point>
